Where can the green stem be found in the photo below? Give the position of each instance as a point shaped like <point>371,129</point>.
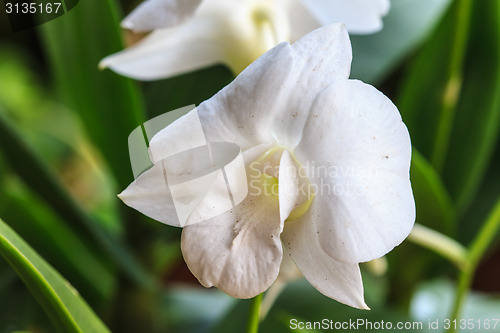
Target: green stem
<point>253,315</point>
<point>476,252</point>
<point>271,295</point>
<point>441,244</point>
<point>453,84</point>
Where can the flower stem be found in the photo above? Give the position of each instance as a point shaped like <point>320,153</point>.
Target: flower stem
<point>253,315</point>
<point>476,252</point>
<point>453,83</point>
<point>441,244</point>
<point>271,295</point>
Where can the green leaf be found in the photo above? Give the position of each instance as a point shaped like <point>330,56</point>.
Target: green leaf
<point>42,180</point>
<point>55,241</point>
<point>408,23</point>
<point>483,202</point>
<point>109,105</point>
<point>474,124</point>
<point>66,309</point>
<point>18,309</point>
<point>192,88</point>
<point>434,206</point>
<point>477,122</point>
<point>62,144</point>
<point>422,89</point>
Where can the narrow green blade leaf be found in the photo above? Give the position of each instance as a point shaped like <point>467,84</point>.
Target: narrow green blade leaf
<point>477,121</point>
<point>481,205</point>
<point>434,206</point>
<point>58,244</point>
<point>66,309</point>
<point>422,90</point>
<point>109,105</point>
<point>474,124</point>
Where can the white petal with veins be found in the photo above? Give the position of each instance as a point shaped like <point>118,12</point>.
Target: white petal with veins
<point>335,279</point>
<point>319,58</point>
<point>191,186</point>
<point>242,111</point>
<point>261,104</point>
<point>356,135</point>
<point>239,251</point>
<point>149,194</point>
<point>168,52</point>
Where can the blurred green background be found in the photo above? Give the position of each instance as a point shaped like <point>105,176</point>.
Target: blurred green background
<point>63,158</point>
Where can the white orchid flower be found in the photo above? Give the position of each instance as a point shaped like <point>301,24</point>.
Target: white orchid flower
<point>293,109</point>
<point>192,34</point>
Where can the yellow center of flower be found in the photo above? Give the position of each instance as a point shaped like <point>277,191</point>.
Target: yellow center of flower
<point>264,20</point>
<point>270,185</point>
<point>258,27</point>
<point>264,171</point>
<point>300,210</point>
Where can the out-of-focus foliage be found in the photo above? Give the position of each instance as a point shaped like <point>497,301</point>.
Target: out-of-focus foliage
<point>63,157</point>
<point>475,123</point>
<point>434,206</point>
<point>405,27</point>
<point>104,101</point>
<point>434,300</point>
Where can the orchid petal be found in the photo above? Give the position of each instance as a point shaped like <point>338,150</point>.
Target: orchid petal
<point>156,14</point>
<point>191,186</point>
<point>292,186</point>
<point>360,16</point>
<point>243,111</point>
<point>206,181</point>
<point>150,195</point>
<point>319,58</point>
<point>239,251</point>
<point>334,279</point>
<point>288,269</point>
<point>183,134</point>
<point>169,52</point>
<point>303,21</point>
<point>288,185</point>
<point>359,150</point>
<point>263,104</point>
